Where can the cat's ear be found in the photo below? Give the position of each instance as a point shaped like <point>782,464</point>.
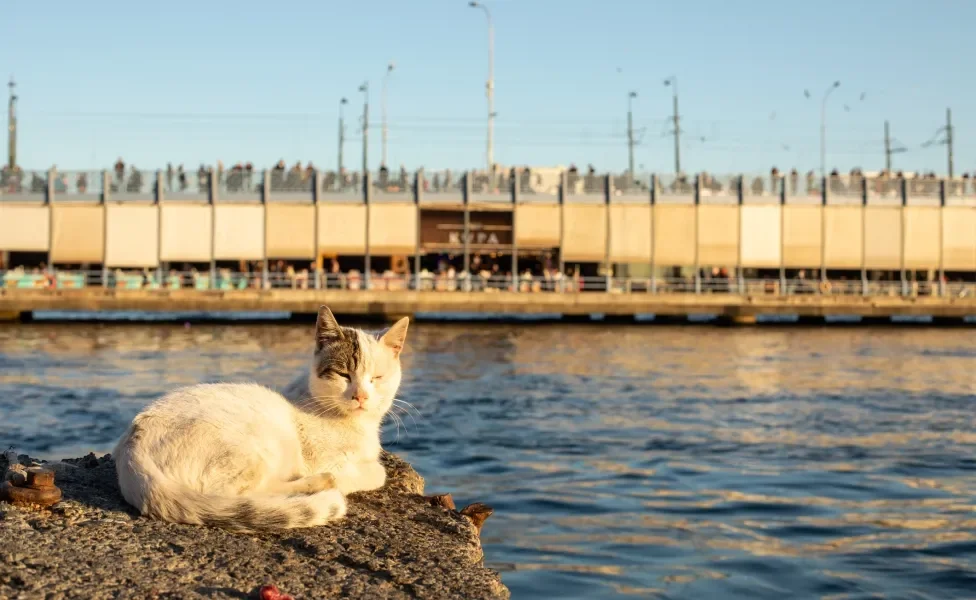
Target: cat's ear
<point>394,337</point>
<point>327,330</point>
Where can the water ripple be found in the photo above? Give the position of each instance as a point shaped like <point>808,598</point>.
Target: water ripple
<point>622,461</point>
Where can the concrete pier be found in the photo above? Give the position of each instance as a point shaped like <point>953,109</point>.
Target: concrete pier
<point>392,544</point>
<point>382,303</point>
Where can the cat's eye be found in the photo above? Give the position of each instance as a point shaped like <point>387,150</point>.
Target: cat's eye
<point>345,376</point>
<point>376,378</point>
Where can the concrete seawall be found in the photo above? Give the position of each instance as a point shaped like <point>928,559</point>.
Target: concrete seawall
<point>387,303</point>
<point>393,544</point>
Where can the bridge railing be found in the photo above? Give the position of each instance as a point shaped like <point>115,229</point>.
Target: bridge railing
<point>451,186</point>
<point>306,279</point>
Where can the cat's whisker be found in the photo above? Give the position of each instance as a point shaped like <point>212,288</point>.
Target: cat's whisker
<point>407,406</point>
<point>405,412</point>
<point>320,406</point>
<point>397,421</point>
<point>404,402</point>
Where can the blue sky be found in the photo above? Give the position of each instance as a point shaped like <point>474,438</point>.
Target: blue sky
<point>191,82</point>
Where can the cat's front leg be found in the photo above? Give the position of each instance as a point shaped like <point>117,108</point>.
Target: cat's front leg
<point>360,476</point>
<point>371,476</point>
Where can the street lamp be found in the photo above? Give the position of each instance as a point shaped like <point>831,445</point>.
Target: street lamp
<point>367,267</point>
<point>386,77</point>
<point>673,82</point>
<point>490,87</point>
<point>823,126</point>
<point>12,126</point>
<point>342,133</point>
<point>364,88</point>
<point>630,134</point>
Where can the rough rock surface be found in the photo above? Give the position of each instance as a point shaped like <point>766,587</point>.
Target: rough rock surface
<point>392,544</point>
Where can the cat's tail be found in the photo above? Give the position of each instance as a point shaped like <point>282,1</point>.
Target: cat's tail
<point>145,486</point>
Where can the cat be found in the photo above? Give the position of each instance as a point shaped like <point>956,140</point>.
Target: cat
<point>246,458</point>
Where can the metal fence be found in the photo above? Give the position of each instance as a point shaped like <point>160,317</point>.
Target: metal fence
<point>239,180</point>
<point>544,185</point>
<point>304,279</point>
<point>719,189</point>
<point>443,182</point>
<point>23,182</point>
<point>674,185</point>
<point>588,184</point>
<point>132,181</point>
<point>345,182</point>
<point>181,181</point>
<point>294,179</point>
<point>79,183</point>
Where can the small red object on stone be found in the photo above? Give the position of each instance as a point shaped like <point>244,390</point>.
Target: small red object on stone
<point>38,488</point>
<point>269,592</point>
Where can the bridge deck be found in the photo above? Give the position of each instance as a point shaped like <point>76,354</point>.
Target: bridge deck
<point>381,303</point>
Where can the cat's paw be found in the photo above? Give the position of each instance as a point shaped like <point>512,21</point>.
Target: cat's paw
<point>320,482</point>
<point>373,476</point>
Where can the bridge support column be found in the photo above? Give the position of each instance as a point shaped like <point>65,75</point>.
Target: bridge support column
<point>948,321</point>
<point>577,319</point>
<point>670,319</point>
<point>619,319</point>
<point>811,320</point>
<point>876,320</point>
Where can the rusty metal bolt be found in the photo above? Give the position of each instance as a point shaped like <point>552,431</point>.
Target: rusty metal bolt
<point>477,513</point>
<point>38,489</point>
<point>39,477</point>
<point>442,500</point>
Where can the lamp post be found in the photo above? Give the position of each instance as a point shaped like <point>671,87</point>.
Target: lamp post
<point>630,134</point>
<point>823,128</point>
<point>386,77</point>
<point>364,88</point>
<point>673,82</point>
<point>490,87</point>
<point>12,126</point>
<point>342,134</point>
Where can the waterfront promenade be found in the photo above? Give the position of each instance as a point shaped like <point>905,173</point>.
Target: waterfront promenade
<point>732,307</point>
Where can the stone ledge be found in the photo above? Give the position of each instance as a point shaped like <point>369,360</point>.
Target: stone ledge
<point>392,544</point>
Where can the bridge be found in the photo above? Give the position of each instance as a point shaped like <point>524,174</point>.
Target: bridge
<point>381,304</point>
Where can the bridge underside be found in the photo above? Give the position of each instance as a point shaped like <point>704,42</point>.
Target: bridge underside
<point>385,303</point>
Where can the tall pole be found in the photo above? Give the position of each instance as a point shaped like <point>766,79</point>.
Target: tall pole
<point>342,135</point>
<point>677,132</point>
<point>365,90</point>
<point>630,134</point>
<point>12,126</point>
<point>673,82</point>
<point>887,148</point>
<point>949,138</point>
<point>490,87</point>
<point>386,77</point>
<point>823,129</point>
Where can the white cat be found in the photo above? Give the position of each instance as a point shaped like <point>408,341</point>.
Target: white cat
<point>243,457</point>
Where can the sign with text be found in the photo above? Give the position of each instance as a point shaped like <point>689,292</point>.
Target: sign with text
<point>444,229</point>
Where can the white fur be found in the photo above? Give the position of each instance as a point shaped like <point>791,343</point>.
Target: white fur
<point>244,457</point>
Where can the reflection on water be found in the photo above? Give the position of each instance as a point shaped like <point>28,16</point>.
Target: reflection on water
<point>689,462</point>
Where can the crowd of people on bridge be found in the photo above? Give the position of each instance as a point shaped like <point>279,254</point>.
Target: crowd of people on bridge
<point>884,182</point>
<point>242,177</point>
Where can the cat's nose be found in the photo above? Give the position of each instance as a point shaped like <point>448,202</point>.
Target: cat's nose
<point>359,396</point>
